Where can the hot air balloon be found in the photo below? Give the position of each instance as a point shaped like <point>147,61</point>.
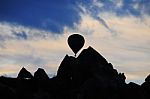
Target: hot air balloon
<point>76,42</point>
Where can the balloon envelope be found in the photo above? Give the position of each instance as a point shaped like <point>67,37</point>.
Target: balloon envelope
<point>76,42</point>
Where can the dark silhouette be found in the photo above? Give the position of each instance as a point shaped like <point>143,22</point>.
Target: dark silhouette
<point>6,92</point>
<point>146,87</point>
<point>76,42</point>
<point>40,74</point>
<point>88,76</point>
<point>24,74</point>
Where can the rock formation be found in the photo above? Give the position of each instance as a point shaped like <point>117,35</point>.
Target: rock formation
<point>24,74</point>
<point>146,87</point>
<point>40,74</point>
<point>88,71</point>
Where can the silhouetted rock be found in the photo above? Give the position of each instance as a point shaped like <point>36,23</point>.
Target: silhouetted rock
<point>147,79</point>
<point>40,74</point>
<point>146,87</point>
<point>122,77</point>
<point>146,84</point>
<point>24,74</point>
<point>88,71</point>
<point>92,64</point>
<point>87,65</point>
<point>64,72</point>
<point>133,91</point>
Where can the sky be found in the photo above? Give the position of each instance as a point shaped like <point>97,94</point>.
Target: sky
<point>33,34</point>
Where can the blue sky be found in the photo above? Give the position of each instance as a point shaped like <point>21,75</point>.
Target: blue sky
<point>53,15</point>
<point>48,14</point>
<point>33,31</point>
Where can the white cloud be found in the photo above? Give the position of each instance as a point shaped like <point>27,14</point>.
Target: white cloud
<point>97,3</point>
<point>41,49</point>
<point>119,3</point>
<point>136,6</point>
